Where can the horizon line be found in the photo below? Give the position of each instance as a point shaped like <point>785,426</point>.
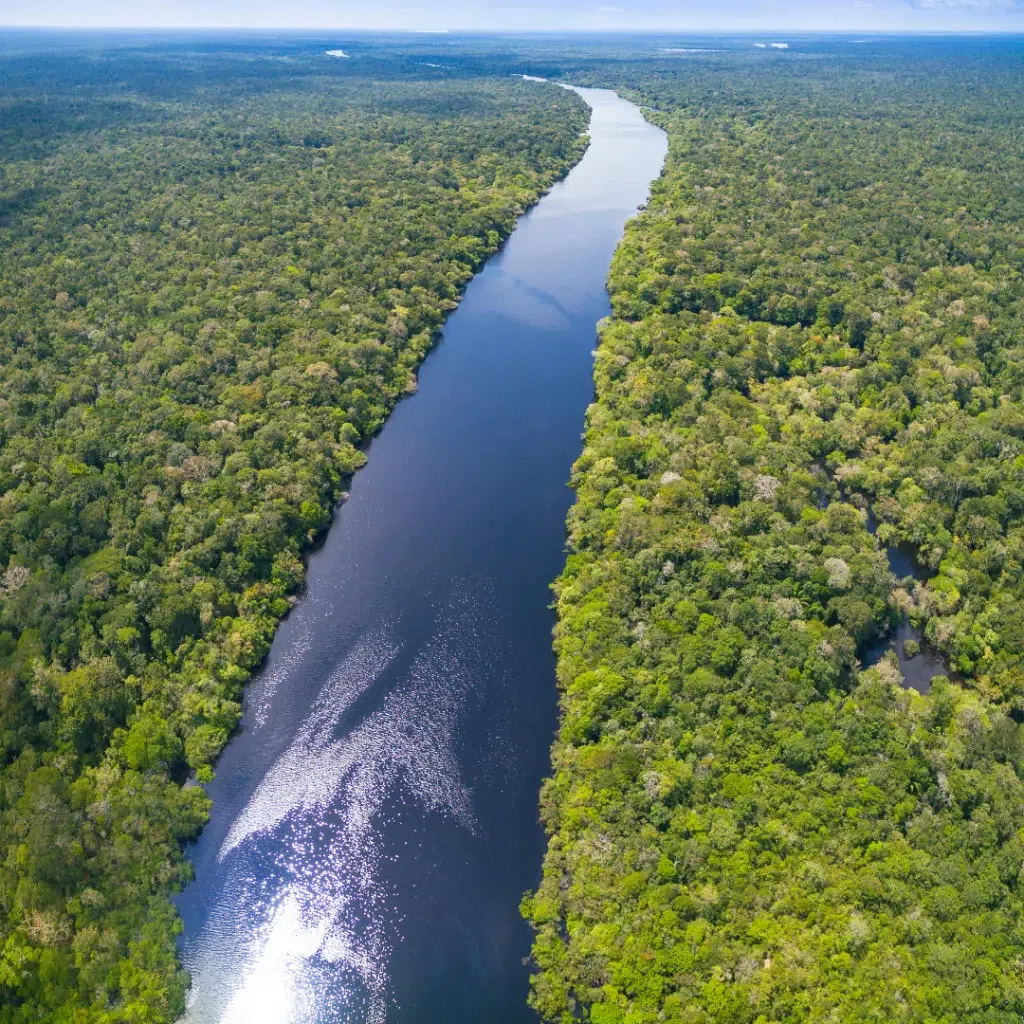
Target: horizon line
<point>519,31</point>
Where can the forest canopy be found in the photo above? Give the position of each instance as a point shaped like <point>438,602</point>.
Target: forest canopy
<point>219,272</point>
<point>220,266</point>
<point>816,353</point>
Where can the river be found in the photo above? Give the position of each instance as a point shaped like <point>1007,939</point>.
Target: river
<point>375,819</point>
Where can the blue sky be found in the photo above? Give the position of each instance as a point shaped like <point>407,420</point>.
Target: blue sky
<point>555,15</point>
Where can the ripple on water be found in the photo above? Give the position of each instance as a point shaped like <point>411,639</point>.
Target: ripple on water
<point>305,928</point>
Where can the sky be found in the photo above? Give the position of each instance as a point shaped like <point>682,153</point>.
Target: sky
<point>529,15</point>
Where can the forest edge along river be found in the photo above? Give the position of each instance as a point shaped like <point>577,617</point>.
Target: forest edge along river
<point>375,820</point>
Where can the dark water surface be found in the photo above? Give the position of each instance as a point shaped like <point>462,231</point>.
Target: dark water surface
<point>375,820</point>
<point>918,669</point>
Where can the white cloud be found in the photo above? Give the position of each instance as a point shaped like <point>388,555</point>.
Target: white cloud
<point>966,5</point>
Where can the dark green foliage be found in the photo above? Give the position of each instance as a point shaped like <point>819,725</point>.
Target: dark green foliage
<point>819,315</point>
<point>217,277</point>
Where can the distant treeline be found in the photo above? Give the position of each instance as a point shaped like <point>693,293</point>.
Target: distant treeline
<point>821,314</point>
<point>218,274</point>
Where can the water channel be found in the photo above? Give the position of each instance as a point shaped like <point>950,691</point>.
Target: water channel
<point>375,820</point>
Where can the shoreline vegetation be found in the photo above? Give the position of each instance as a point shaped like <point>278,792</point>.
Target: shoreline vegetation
<point>818,319</point>
<point>216,282</point>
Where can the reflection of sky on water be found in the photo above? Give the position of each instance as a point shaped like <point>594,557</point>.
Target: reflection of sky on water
<point>311,910</point>
<point>307,776</point>
<point>538,302</point>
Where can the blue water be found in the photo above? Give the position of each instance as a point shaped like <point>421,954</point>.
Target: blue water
<point>375,821</point>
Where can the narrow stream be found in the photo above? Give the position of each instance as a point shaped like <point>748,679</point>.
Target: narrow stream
<point>375,821</point>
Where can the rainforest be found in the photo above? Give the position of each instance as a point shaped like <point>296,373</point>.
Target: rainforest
<point>818,319</point>
<point>222,264</point>
<point>216,279</point>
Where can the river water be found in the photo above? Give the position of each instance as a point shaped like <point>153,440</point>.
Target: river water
<point>375,819</point>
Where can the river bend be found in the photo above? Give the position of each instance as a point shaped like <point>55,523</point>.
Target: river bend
<point>375,819</point>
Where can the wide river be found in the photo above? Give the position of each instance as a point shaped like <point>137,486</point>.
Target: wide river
<point>375,820</point>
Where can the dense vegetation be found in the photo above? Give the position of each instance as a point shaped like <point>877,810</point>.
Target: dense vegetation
<point>218,273</point>
<point>821,313</point>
